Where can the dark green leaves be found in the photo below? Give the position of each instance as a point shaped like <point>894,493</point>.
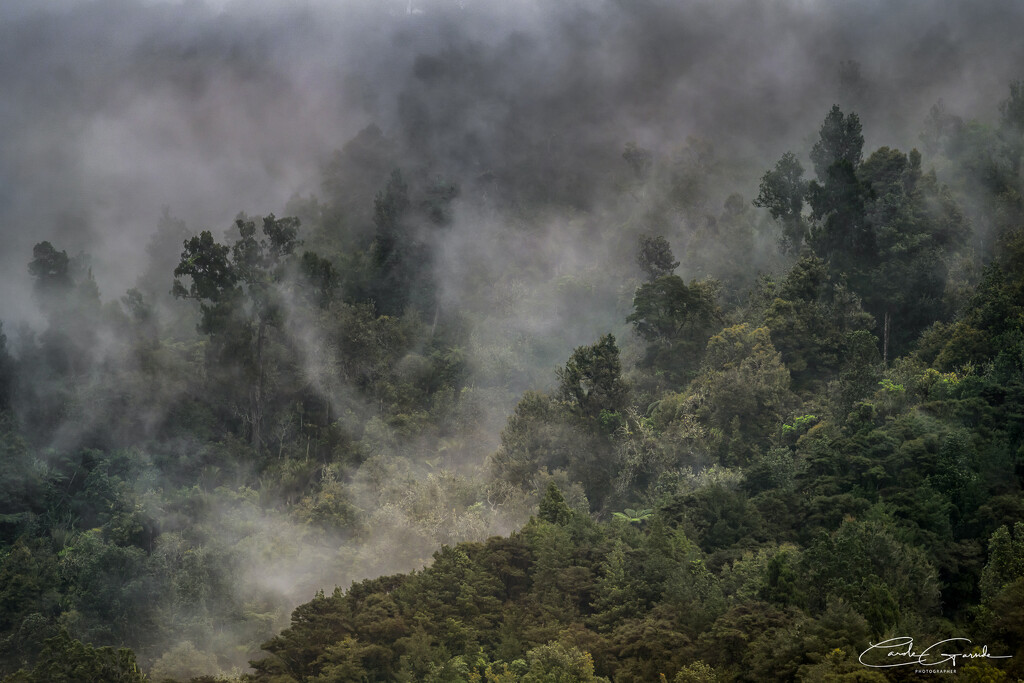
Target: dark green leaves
<point>675,319</point>
<point>782,192</point>
<point>592,379</point>
<point>840,141</point>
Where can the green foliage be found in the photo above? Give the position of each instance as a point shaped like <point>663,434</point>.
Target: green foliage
<point>66,660</point>
<point>400,256</point>
<point>812,322</point>
<point>778,476</point>
<point>239,289</point>
<point>918,228</point>
<point>742,390</point>
<point>841,233</point>
<point>555,663</point>
<point>675,320</point>
<point>883,224</point>
<point>591,380</point>
<point>697,672</point>
<point>395,255</point>
<point>632,516</point>
<point>800,424</point>
<point>782,192</point>
<point>209,269</point>
<point>1006,560</point>
<point>321,278</point>
<point>552,506</point>
<point>655,257</point>
<point>840,141</point>
<point>543,436</point>
<point>864,564</point>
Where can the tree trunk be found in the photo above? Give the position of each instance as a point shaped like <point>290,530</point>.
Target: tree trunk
<point>257,394</point>
<point>885,342</point>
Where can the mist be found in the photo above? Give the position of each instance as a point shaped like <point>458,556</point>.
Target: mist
<point>131,126</point>
<point>115,109</point>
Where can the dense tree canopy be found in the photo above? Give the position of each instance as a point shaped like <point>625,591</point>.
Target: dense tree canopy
<point>747,463</point>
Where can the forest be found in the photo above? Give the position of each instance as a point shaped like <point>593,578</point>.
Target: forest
<point>516,388</point>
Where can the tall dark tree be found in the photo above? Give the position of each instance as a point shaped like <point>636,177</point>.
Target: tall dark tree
<point>840,140</point>
<point>69,298</point>
<point>917,228</point>
<point>654,254</point>
<point>239,293</point>
<point>321,278</point>
<point>809,318</point>
<point>401,254</point>
<point>50,268</point>
<point>841,233</point>
<point>1011,133</point>
<point>65,288</point>
<point>883,225</point>
<point>394,248</point>
<point>213,280</point>
<point>676,320</point>
<point>782,192</point>
<point>592,379</point>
